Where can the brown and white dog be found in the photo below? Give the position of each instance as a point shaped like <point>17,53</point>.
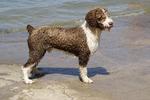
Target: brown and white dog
<point>81,41</point>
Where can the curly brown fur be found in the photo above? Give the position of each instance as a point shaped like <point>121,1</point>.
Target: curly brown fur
<point>80,41</point>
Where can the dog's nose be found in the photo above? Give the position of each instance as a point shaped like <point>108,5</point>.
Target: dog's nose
<point>111,24</point>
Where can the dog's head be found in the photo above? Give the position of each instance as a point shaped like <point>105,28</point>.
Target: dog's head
<point>99,18</point>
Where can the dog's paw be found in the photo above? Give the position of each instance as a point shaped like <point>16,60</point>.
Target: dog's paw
<point>28,81</point>
<point>86,80</point>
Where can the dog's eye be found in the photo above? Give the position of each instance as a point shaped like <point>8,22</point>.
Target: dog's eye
<point>100,18</point>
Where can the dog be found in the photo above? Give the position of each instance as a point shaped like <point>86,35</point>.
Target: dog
<point>81,41</point>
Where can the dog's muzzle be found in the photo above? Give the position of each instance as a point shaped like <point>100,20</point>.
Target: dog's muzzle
<point>108,23</point>
<point>110,26</point>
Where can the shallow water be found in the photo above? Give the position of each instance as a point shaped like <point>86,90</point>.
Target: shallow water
<point>16,14</point>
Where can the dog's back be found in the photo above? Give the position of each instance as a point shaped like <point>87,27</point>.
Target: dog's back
<point>72,40</point>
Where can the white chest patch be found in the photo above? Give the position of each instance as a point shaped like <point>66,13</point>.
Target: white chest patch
<point>92,40</point>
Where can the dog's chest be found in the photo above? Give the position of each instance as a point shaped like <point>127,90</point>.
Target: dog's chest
<point>92,41</point>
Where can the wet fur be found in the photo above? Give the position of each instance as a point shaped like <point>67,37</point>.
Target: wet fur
<point>74,40</point>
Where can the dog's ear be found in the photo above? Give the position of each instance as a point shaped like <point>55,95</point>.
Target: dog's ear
<point>92,16</point>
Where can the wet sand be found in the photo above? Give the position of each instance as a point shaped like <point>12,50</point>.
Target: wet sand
<point>120,68</point>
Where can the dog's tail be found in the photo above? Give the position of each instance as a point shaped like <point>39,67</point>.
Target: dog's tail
<point>30,29</point>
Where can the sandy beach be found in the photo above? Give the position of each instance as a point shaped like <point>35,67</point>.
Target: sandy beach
<point>120,68</point>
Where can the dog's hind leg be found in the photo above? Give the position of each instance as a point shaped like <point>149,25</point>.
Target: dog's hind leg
<point>83,60</point>
<point>34,59</point>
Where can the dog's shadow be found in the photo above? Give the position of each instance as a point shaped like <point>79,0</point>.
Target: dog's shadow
<point>70,71</point>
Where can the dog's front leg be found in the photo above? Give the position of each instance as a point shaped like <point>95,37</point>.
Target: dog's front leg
<point>83,60</point>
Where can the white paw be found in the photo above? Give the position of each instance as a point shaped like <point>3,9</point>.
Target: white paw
<point>28,81</point>
<point>87,80</point>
